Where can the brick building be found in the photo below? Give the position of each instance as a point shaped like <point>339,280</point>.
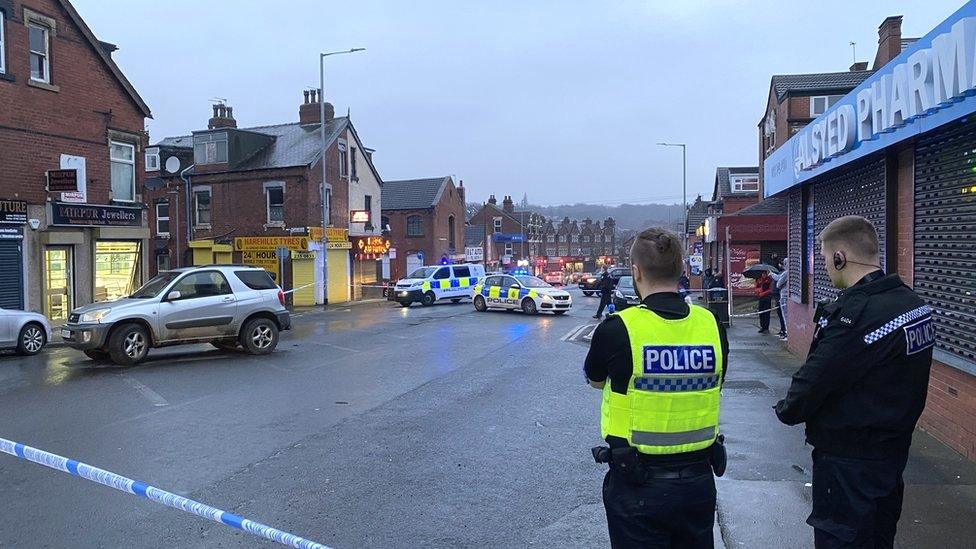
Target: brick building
<point>72,222</point>
<point>577,246</point>
<point>506,236</point>
<point>236,194</point>
<point>908,167</point>
<point>424,220</point>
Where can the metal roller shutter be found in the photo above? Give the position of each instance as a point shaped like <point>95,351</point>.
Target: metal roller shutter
<point>12,278</point>
<point>795,241</point>
<point>945,238</point>
<point>859,191</point>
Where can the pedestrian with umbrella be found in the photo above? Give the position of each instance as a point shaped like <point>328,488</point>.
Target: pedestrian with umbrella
<point>764,289</point>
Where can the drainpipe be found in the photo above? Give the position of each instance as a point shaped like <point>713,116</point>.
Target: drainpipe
<point>189,211</point>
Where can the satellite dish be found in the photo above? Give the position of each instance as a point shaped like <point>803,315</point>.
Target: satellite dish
<point>154,183</point>
<point>172,164</point>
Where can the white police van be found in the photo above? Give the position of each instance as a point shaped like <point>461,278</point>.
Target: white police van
<point>427,285</point>
<point>529,293</point>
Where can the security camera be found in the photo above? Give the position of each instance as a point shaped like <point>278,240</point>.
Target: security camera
<point>34,223</point>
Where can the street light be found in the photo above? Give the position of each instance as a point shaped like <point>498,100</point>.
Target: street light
<point>684,181</point>
<point>326,188</point>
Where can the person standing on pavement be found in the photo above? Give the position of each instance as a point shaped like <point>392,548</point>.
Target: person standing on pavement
<point>606,291</point>
<point>782,281</point>
<point>764,289</point>
<point>660,366</point>
<point>861,391</point>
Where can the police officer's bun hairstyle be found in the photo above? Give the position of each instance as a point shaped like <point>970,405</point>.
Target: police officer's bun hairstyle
<point>657,253</point>
<point>853,233</point>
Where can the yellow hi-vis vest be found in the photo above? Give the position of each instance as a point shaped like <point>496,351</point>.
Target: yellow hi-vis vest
<point>671,405</point>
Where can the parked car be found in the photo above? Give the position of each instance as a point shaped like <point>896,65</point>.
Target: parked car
<point>555,277</point>
<point>528,293</point>
<point>428,285</point>
<point>225,305</point>
<point>625,295</point>
<point>589,283</point>
<point>24,331</point>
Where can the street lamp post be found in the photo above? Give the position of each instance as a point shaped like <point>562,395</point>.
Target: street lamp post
<point>326,188</point>
<point>684,183</point>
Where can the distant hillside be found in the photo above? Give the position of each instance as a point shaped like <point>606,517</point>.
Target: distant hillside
<point>628,216</point>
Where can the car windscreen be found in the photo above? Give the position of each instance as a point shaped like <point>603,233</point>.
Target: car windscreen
<point>532,282</point>
<point>423,272</point>
<point>256,279</point>
<point>626,283</point>
<point>155,286</point>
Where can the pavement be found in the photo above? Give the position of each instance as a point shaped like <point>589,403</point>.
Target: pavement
<point>376,426</point>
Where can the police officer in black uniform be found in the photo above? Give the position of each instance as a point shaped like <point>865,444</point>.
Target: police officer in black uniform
<point>861,391</point>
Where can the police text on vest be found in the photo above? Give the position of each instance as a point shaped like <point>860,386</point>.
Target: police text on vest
<point>679,359</point>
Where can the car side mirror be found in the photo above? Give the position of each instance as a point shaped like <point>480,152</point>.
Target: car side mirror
<point>516,286</point>
<point>174,295</point>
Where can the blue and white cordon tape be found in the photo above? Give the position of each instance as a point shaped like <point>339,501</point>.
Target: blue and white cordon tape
<point>130,486</point>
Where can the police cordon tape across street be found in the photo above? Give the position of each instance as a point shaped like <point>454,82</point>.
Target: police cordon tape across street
<point>123,484</point>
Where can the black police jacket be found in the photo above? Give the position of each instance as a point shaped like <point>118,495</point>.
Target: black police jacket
<point>863,385</point>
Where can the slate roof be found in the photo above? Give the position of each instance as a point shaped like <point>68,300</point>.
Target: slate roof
<point>697,213</point>
<point>474,235</point>
<point>294,144</point>
<point>771,206</point>
<point>723,186</point>
<point>823,81</point>
<point>413,194</point>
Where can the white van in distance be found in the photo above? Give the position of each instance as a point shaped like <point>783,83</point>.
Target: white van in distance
<point>436,282</point>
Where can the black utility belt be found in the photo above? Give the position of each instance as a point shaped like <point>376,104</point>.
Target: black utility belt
<point>663,472</point>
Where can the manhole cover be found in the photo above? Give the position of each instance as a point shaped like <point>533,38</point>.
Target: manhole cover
<point>746,387</point>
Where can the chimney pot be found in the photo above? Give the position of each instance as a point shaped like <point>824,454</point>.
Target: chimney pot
<point>215,107</point>
<point>230,112</point>
<point>306,97</point>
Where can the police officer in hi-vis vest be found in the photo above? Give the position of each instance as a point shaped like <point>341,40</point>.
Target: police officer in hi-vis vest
<point>661,366</point>
<point>861,390</point>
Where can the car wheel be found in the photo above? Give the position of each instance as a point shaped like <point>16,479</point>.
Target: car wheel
<point>428,299</point>
<point>95,354</point>
<point>587,294</point>
<point>128,344</point>
<point>225,345</point>
<point>528,306</point>
<point>259,336</point>
<point>480,304</point>
<point>559,313</point>
<point>31,339</point>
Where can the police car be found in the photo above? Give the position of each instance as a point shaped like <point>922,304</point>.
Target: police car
<point>428,285</point>
<point>528,293</point>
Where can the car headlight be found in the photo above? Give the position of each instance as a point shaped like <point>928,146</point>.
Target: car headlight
<point>618,294</point>
<point>95,316</point>
<point>547,297</point>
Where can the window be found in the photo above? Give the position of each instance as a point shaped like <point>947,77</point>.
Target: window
<point>210,148</point>
<point>368,206</point>
<point>123,156</point>
<point>162,218</point>
<point>415,225</point>
<point>744,183</point>
<point>352,159</point>
<point>498,224</point>
<point>384,223</point>
<point>202,201</point>
<point>508,248</point>
<point>3,64</point>
<point>275,200</point>
<point>550,238</point>
<point>462,272</point>
<point>152,160</point>
<point>117,269</point>
<point>343,159</point>
<point>820,103</point>
<point>256,279</point>
<point>39,38</point>
<point>451,241</point>
<point>507,281</point>
<point>202,284</point>
<point>162,262</point>
<point>442,273</point>
<point>493,281</point>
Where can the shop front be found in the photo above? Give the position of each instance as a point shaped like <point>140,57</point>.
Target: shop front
<point>86,253</point>
<point>899,151</point>
<point>367,266</point>
<point>337,248</point>
<point>289,259</point>
<point>13,218</point>
<point>747,240</point>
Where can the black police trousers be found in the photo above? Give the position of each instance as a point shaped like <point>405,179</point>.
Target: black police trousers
<point>856,502</point>
<point>661,513</point>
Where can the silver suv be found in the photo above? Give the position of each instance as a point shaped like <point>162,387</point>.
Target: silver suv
<point>225,305</point>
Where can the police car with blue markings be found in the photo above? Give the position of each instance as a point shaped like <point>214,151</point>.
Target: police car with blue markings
<point>427,285</point>
<point>530,294</point>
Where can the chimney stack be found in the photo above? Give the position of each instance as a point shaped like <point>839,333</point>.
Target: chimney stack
<point>492,200</point>
<point>889,41</point>
<point>859,66</point>
<point>308,112</point>
<point>507,205</point>
<point>223,117</point>
<point>461,191</point>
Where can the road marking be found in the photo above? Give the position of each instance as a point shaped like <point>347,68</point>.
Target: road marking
<point>151,396</point>
<point>569,335</point>
<point>340,347</point>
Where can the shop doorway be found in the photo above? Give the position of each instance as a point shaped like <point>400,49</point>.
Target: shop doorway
<point>117,272</point>
<point>58,282</point>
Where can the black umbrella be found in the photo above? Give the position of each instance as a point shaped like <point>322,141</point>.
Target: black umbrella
<point>757,270</point>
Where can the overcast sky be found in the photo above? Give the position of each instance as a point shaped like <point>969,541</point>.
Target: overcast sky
<point>563,100</point>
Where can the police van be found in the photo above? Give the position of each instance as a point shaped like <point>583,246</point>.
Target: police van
<point>528,293</point>
<point>428,285</point>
